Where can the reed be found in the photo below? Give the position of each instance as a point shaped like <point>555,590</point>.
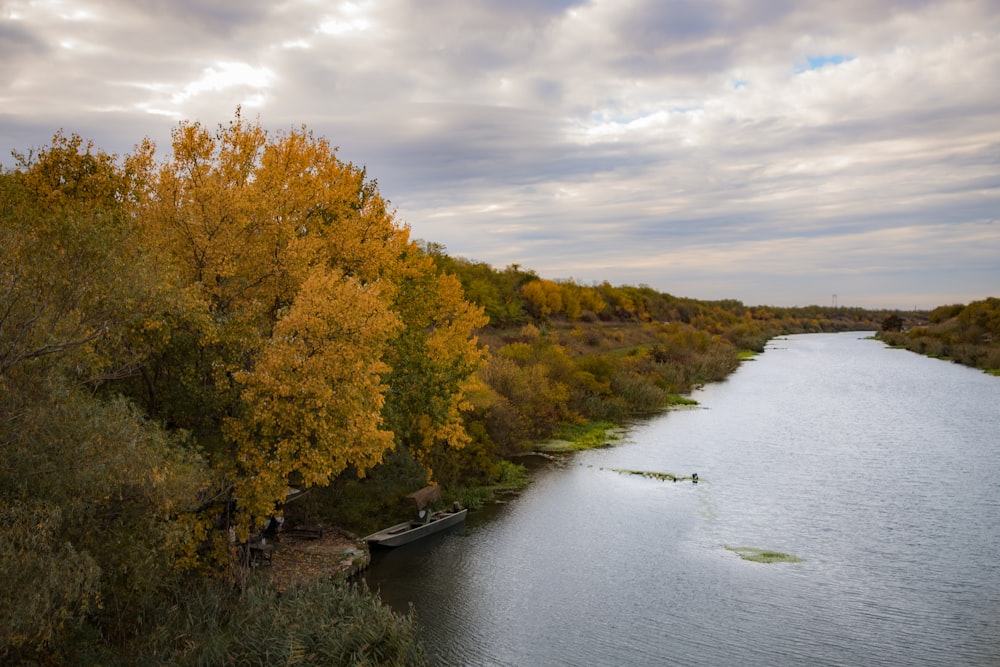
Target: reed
<point>324,623</point>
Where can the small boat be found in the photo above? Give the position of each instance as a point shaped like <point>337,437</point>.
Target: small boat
<point>426,523</point>
<point>408,531</point>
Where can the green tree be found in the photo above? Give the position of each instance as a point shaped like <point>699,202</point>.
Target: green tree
<point>68,252</point>
<point>95,501</point>
<point>892,323</point>
<point>431,359</point>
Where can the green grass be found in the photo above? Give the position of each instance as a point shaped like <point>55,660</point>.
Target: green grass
<point>578,437</point>
<point>674,400</point>
<point>764,555</point>
<point>746,355</point>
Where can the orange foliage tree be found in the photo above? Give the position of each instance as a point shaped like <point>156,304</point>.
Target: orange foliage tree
<point>311,302</point>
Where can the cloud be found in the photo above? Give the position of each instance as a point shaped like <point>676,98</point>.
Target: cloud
<point>711,148</point>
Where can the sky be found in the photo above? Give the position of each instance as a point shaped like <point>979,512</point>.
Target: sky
<point>778,152</point>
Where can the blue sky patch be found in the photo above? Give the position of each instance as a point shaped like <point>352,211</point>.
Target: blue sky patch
<point>818,62</point>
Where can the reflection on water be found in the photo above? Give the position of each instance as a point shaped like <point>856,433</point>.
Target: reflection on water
<point>878,467</point>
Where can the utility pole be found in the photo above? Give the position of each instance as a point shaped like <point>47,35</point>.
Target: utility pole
<point>834,300</point>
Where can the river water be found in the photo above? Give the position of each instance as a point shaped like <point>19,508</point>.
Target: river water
<point>879,468</point>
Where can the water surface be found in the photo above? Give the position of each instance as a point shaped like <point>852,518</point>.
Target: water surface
<point>878,467</point>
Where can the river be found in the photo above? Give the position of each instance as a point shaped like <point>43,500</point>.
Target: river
<point>879,468</point>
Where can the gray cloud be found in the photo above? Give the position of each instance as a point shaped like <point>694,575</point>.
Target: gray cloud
<point>771,151</point>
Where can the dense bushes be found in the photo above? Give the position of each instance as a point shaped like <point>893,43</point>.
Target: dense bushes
<point>99,509</point>
<point>326,623</point>
<point>967,334</point>
<point>538,380</point>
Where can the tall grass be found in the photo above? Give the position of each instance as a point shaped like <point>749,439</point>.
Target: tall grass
<point>326,623</point>
<point>639,392</point>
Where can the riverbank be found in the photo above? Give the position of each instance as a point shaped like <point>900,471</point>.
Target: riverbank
<point>965,334</point>
<point>339,554</point>
<point>300,557</point>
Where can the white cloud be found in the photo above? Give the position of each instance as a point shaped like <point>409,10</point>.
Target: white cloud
<point>349,18</point>
<point>223,76</point>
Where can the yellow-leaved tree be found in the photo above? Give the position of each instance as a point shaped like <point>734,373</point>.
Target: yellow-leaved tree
<point>432,359</point>
<point>313,399</point>
<point>544,297</point>
<point>321,334</point>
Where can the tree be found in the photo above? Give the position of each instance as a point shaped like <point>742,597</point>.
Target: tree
<point>982,317</point>
<point>544,298</point>
<point>892,323</point>
<point>67,252</point>
<point>312,402</point>
<point>96,502</point>
<point>431,359</point>
<point>321,334</point>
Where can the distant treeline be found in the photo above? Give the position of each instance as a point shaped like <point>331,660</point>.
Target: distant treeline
<point>515,295</point>
<point>182,340</point>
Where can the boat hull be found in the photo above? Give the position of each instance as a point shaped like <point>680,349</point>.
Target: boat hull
<point>410,531</point>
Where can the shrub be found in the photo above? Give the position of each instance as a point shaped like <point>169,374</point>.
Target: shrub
<point>638,392</point>
<point>325,623</point>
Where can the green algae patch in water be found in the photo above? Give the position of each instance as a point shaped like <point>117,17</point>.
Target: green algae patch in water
<point>555,446</point>
<point>764,555</point>
<point>662,476</point>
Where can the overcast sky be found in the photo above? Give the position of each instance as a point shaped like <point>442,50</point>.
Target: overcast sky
<point>772,151</point>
